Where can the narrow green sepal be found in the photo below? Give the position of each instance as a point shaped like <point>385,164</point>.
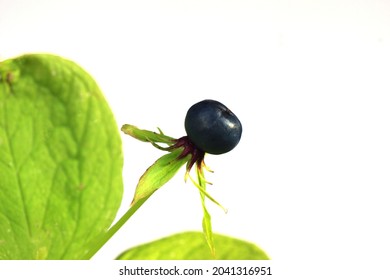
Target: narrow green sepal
<point>159,173</point>
<point>206,222</point>
<point>147,135</point>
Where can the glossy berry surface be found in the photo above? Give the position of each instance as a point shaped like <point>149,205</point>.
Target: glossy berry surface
<point>212,127</point>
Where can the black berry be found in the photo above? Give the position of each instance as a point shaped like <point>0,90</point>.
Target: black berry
<point>212,127</point>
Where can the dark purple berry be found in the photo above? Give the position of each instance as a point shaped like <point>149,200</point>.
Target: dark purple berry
<point>212,127</point>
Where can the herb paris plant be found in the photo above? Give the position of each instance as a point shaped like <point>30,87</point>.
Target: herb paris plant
<point>61,166</point>
<point>211,128</point>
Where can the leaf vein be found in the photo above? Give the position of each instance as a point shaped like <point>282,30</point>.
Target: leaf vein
<point>17,174</point>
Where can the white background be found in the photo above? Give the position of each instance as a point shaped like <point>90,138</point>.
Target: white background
<point>309,80</point>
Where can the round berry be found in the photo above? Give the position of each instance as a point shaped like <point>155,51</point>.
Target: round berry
<point>212,127</point>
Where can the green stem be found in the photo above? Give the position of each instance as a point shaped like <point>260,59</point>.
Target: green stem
<point>107,236</point>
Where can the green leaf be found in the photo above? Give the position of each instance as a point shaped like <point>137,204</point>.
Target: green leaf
<point>158,174</point>
<point>192,246</point>
<point>60,159</point>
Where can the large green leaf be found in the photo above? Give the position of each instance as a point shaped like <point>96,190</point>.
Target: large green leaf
<point>192,246</point>
<point>60,159</point>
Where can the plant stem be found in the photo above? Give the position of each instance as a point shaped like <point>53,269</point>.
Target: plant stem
<point>103,239</point>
